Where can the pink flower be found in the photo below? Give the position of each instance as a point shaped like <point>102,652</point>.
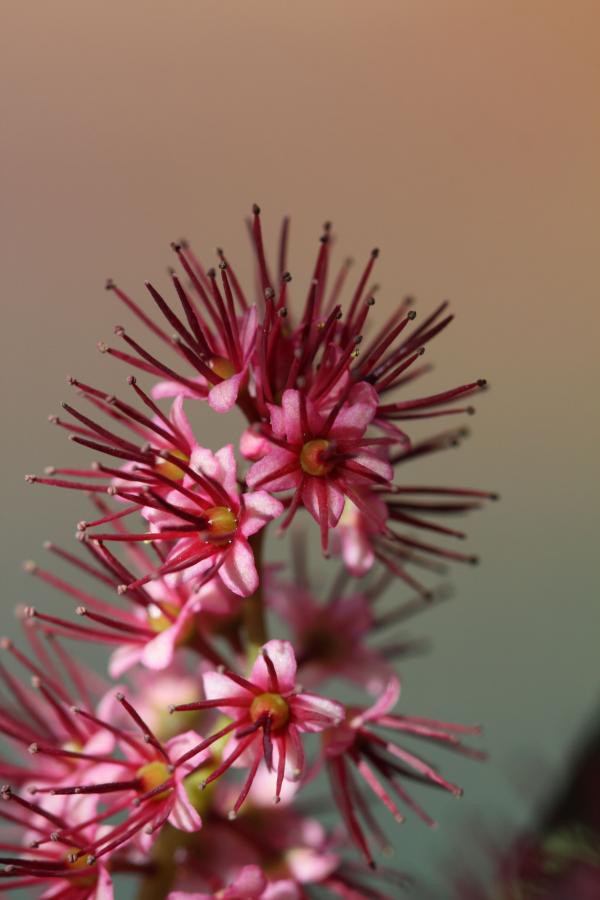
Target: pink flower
<point>209,522</point>
<point>230,366</point>
<point>268,713</point>
<point>355,748</point>
<point>39,718</point>
<point>322,456</point>
<point>146,787</point>
<point>164,616</point>
<point>49,855</point>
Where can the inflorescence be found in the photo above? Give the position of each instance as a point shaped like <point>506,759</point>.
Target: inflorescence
<point>172,575</point>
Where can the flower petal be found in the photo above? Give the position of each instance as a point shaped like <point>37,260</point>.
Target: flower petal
<point>183,815</point>
<point>313,713</point>
<point>281,654</point>
<point>382,705</point>
<point>259,508</point>
<point>223,396</point>
<point>239,569</point>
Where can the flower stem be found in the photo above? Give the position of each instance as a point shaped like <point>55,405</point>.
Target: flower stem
<point>253,610</point>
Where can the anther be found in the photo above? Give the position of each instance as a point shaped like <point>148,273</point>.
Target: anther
<point>256,209</point>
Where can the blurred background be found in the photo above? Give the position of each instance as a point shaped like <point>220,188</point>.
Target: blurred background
<point>462,139</point>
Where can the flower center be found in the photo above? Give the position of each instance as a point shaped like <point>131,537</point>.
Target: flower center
<point>170,469</point>
<point>273,706</point>
<point>221,524</point>
<point>159,622</point>
<point>151,775</point>
<point>311,457</point>
<point>80,864</point>
<point>222,367</point>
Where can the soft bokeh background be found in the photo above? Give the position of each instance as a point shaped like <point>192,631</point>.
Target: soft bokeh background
<point>463,139</point>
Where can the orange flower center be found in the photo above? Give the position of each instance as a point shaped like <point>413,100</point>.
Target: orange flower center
<point>272,705</point>
<point>311,457</point>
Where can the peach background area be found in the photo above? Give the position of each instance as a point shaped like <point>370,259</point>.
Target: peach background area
<point>463,139</point>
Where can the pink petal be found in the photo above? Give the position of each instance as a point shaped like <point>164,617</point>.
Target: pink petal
<point>179,745</point>
<point>223,396</point>
<point>181,421</point>
<point>217,685</point>
<point>249,329</point>
<point>357,413</point>
<point>250,884</point>
<point>313,713</point>
<point>174,389</point>
<point>335,500</point>
<point>374,464</point>
<point>382,705</point>
<point>253,445</point>
<point>290,404</point>
<point>124,658</point>
<point>259,508</point>
<point>276,458</point>
<point>158,653</point>
<point>309,864</point>
<point>281,654</point>
<point>357,551</point>
<point>183,815</point>
<point>239,569</point>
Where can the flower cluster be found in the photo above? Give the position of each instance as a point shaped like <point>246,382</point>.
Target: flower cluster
<point>171,574</point>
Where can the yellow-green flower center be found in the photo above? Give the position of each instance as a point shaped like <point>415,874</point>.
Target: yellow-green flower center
<point>170,469</point>
<point>272,705</point>
<point>151,775</point>
<point>311,457</point>
<point>221,524</point>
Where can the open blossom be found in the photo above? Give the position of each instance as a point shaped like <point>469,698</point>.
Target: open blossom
<point>162,617</point>
<point>355,748</point>
<point>145,785</point>
<point>208,522</point>
<point>322,456</point>
<point>269,713</point>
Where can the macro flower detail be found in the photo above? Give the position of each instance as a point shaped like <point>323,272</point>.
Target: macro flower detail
<point>190,774</point>
<point>355,748</point>
<point>322,456</point>
<point>209,523</point>
<point>269,713</point>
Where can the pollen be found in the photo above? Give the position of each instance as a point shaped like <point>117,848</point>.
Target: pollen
<point>311,458</point>
<point>273,706</point>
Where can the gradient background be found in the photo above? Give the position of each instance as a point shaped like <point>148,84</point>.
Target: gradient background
<point>462,138</point>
